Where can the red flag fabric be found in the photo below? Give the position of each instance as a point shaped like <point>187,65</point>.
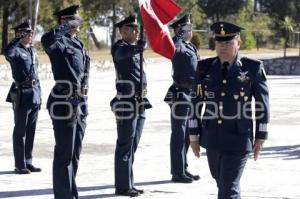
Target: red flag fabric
<point>165,10</point>
<point>155,14</point>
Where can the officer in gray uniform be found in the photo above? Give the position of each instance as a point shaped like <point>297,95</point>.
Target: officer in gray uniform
<point>129,104</point>
<point>226,85</point>
<point>67,102</point>
<point>179,95</point>
<point>25,94</point>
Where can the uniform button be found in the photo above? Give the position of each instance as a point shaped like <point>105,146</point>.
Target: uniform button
<point>221,107</point>
<point>222,94</point>
<point>224,81</point>
<point>219,121</point>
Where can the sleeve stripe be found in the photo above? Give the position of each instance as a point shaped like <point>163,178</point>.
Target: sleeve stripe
<point>263,127</point>
<point>193,123</point>
<point>194,138</point>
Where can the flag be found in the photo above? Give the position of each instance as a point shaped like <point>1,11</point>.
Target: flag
<point>155,15</point>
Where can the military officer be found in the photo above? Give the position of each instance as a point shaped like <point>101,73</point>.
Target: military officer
<point>67,102</point>
<point>179,96</point>
<point>25,94</point>
<point>226,85</point>
<point>129,104</point>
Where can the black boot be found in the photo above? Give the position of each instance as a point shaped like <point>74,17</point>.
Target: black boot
<point>194,177</point>
<point>22,171</point>
<point>127,192</point>
<point>33,168</point>
<point>181,179</point>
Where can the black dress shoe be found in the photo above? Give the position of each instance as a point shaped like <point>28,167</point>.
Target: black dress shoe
<point>182,179</point>
<point>128,192</point>
<point>194,177</point>
<point>33,168</point>
<point>140,191</point>
<point>22,171</point>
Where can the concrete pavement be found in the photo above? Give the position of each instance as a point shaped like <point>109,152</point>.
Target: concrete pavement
<point>276,175</point>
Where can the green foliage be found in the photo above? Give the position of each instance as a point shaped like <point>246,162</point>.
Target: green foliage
<point>193,8</point>
<point>271,24</point>
<point>248,40</point>
<point>211,43</point>
<point>217,9</point>
<point>197,40</point>
<point>278,10</point>
<point>261,29</point>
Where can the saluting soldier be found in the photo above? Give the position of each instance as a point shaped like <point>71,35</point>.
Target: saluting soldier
<point>226,85</point>
<point>67,102</point>
<point>179,95</point>
<point>129,104</point>
<point>25,94</point>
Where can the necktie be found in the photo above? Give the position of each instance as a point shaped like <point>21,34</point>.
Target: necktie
<point>225,69</point>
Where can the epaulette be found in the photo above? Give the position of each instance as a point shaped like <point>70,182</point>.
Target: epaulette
<point>253,65</point>
<point>118,43</point>
<point>251,61</point>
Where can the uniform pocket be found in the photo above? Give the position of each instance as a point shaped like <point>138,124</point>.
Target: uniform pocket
<point>70,51</point>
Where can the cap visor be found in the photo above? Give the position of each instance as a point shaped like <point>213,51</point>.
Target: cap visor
<point>225,38</point>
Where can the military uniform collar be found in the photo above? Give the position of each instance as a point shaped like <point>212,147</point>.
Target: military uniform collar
<point>238,60</point>
<point>234,61</point>
<point>24,47</point>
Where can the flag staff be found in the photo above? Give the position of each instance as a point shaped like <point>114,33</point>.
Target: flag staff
<point>141,64</point>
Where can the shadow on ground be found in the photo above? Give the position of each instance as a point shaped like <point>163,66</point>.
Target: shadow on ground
<point>37,192</point>
<point>291,152</point>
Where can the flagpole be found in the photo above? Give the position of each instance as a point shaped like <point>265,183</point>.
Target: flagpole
<point>141,64</point>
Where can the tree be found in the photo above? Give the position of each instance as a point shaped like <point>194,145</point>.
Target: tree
<point>278,10</point>
<point>282,8</point>
<point>217,9</point>
<point>257,25</point>
<point>288,24</point>
<point>13,13</point>
<point>108,12</point>
<point>192,7</point>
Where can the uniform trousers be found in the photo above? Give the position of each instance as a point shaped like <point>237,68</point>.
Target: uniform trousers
<point>227,168</point>
<point>23,135</point>
<point>68,144</point>
<point>129,129</point>
<point>179,142</point>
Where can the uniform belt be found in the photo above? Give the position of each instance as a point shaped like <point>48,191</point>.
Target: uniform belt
<point>28,83</point>
<point>136,95</point>
<point>183,86</point>
<point>66,91</point>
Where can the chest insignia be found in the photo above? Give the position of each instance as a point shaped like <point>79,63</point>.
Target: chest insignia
<point>243,76</point>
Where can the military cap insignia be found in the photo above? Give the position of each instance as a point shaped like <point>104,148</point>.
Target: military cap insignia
<point>222,32</point>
